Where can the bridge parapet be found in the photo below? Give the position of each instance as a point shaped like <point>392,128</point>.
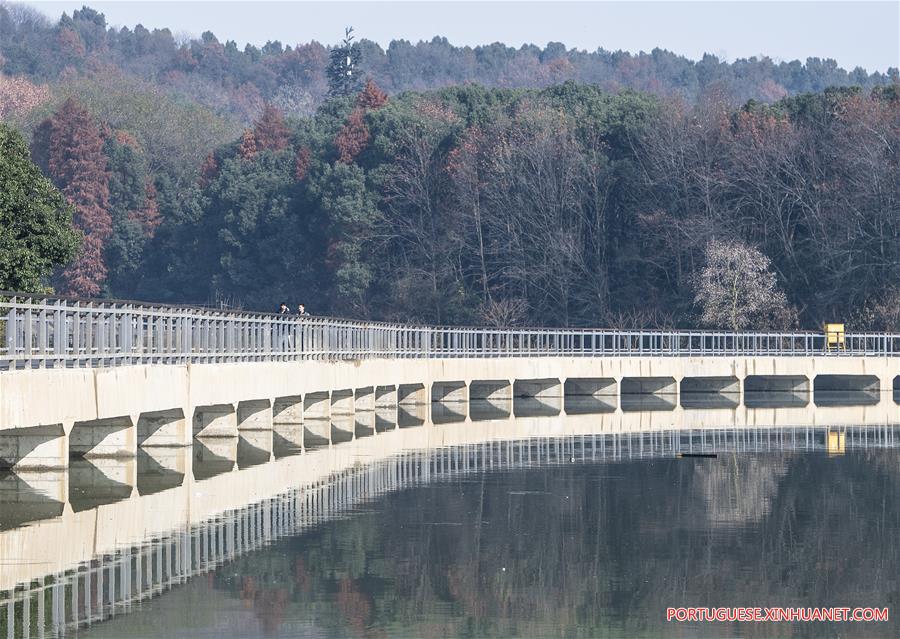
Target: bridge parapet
<point>43,332</point>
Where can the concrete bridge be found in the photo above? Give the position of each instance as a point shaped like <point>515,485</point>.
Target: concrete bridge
<point>98,379</point>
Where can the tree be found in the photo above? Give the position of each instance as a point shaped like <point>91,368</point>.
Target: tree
<point>270,132</point>
<point>36,232</point>
<point>343,72</point>
<point>351,215</point>
<point>133,209</point>
<point>737,290</point>
<point>371,97</point>
<point>19,97</point>
<point>353,137</point>
<point>71,143</point>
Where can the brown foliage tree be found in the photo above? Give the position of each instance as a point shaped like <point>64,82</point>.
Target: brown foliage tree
<point>353,137</point>
<point>301,166</point>
<point>70,44</point>
<point>77,164</point>
<point>209,170</point>
<point>248,148</point>
<point>371,97</point>
<point>270,132</point>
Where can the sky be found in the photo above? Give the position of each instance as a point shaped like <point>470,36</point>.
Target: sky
<point>855,33</point>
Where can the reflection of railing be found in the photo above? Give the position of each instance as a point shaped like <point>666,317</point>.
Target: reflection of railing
<point>113,584</point>
<point>39,331</point>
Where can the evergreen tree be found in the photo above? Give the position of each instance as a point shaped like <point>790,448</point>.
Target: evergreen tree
<point>36,231</point>
<point>343,72</point>
<point>133,209</point>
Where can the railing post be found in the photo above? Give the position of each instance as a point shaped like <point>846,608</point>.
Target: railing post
<point>12,331</point>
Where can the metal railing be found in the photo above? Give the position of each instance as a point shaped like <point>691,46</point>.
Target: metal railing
<point>44,332</point>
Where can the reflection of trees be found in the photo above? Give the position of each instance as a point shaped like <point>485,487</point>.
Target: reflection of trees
<point>596,550</point>
<point>738,490</point>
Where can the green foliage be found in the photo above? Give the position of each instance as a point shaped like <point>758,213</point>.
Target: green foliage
<point>36,232</point>
<point>348,209</point>
<point>132,214</point>
<point>344,78</point>
<point>174,135</point>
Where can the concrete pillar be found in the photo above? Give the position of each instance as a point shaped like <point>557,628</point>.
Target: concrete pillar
<point>287,425</point>
<point>412,394</point>
<point>98,481</point>
<point>364,399</point>
<point>38,447</point>
<point>779,383</point>
<point>254,414</point>
<point>710,392</point>
<point>410,414</point>
<point>343,428</point>
<point>32,495</point>
<point>490,409</point>
<point>648,394</point>
<point>364,423</point>
<point>113,437</point>
<point>214,456</point>
<point>316,420</point>
<point>163,428</point>
<point>386,418</point>
<point>538,388</point>
<point>649,386</point>
<point>449,392</point>
<point>254,447</point>
<point>590,387</point>
<point>447,412</point>
<point>494,389</point>
<point>846,390</point>
<point>860,383</point>
<point>215,421</point>
<point>162,468</point>
<point>385,396</point>
<point>317,405</point>
<point>342,402</point>
<point>537,397</point>
<point>590,395</point>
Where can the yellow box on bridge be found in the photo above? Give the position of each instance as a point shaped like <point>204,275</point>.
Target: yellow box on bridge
<point>834,337</point>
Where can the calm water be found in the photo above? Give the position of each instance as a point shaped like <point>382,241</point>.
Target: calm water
<point>553,535</point>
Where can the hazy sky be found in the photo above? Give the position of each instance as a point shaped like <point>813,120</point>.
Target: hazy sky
<point>865,34</point>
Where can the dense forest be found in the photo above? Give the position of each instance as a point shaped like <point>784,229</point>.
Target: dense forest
<point>456,185</point>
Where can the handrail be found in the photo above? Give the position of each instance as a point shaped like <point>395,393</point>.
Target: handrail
<point>39,331</point>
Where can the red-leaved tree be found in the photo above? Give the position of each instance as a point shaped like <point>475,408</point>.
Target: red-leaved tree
<point>71,144</point>
<point>270,132</point>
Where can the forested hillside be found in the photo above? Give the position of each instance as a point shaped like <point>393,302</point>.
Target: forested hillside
<point>293,76</point>
<point>645,191</point>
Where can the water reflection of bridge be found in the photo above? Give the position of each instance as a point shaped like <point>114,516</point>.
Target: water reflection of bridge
<point>109,533</point>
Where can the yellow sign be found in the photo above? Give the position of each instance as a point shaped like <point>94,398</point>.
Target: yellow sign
<point>834,337</point>
<point>836,442</point>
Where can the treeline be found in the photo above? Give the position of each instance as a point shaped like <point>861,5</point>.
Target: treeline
<point>468,205</point>
<point>238,82</point>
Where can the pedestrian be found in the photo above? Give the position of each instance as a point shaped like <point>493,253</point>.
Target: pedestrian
<point>301,310</point>
<point>283,309</point>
